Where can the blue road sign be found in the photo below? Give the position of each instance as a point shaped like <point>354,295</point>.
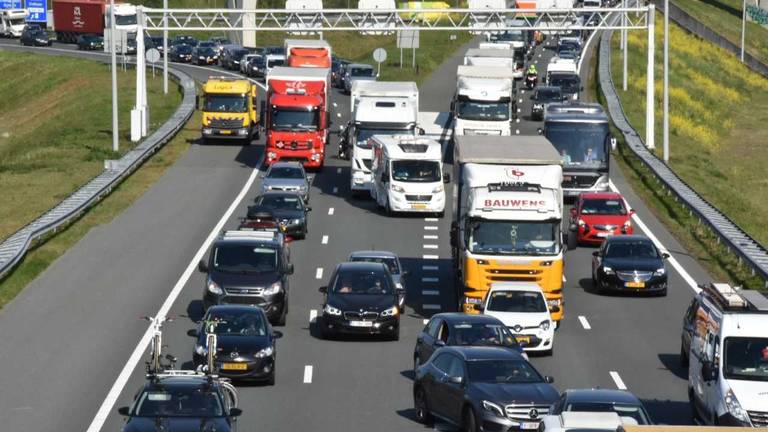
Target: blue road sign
<point>10,4</point>
<point>38,11</point>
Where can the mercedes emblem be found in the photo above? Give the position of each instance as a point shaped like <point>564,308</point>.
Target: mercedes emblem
<point>533,413</point>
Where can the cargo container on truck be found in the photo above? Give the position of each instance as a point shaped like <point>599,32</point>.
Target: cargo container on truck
<point>511,58</point>
<point>229,109</point>
<point>12,22</point>
<point>73,18</point>
<point>308,53</point>
<point>483,104</point>
<point>296,117</point>
<point>507,213</point>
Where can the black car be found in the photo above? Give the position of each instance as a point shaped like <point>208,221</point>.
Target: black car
<point>360,299</point>
<point>33,35</point>
<point>184,40</point>
<point>245,342</point>
<point>249,267</point>
<point>288,208</point>
<point>90,42</point>
<point>336,66</point>
<point>180,53</point>
<point>629,263</point>
<point>542,96</point>
<point>482,388</point>
<point>569,83</point>
<point>155,42</point>
<point>230,57</point>
<point>449,329</point>
<point>337,80</point>
<point>180,403</point>
<point>204,56</point>
<point>257,67</point>
<point>622,402</point>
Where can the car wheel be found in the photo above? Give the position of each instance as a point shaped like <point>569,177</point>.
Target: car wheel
<point>283,315</point>
<point>683,357</point>
<point>416,363</point>
<point>396,335</point>
<point>271,379</point>
<point>470,421</point>
<point>388,209</point>
<point>423,415</point>
<point>663,293</point>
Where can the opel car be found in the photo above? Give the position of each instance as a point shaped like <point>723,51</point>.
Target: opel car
<point>286,176</point>
<point>629,264</point>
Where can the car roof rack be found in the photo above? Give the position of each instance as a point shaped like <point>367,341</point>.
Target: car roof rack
<point>249,235</point>
<point>731,298</point>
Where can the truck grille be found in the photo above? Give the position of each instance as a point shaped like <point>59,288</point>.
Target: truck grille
<point>244,290</point>
<point>759,418</point>
<point>526,412</point>
<point>579,181</point>
<point>365,316</point>
<point>512,275</point>
<point>226,123</point>
<point>632,276</point>
<point>418,197</point>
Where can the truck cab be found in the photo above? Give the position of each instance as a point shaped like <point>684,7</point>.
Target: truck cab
<point>229,109</point>
<point>408,174</point>
<point>496,55</point>
<point>12,22</point>
<point>483,103</point>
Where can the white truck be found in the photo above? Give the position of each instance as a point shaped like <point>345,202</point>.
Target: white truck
<point>510,58</point>
<point>12,22</point>
<point>483,104</point>
<point>378,108</point>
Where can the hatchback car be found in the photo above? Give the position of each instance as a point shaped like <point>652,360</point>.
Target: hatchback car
<point>245,342</point>
<point>286,177</point>
<point>358,72</point>
<point>482,388</point>
<point>392,262</point>
<point>599,215</point>
<point>360,299</point>
<point>180,53</point>
<point>184,40</point>
<point>204,55</point>
<point>622,402</point>
<point>289,209</point>
<point>629,263</point>
<point>89,42</point>
<point>33,35</point>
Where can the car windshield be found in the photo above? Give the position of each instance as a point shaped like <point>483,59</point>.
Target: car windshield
<point>631,249</point>
<point>183,49</point>
<point>475,334</point>
<point>240,323</point>
<point>549,95</point>
<point>179,401</point>
<point>245,258</point>
<point>623,410</point>
<point>513,237</point>
<point>391,263</point>
<point>503,371</point>
<point>362,72</point>
<point>488,111</point>
<point>125,20</point>
<point>281,202</point>
<point>612,207</point>
<point>362,282</point>
<point>206,51</point>
<point>206,44</point>
<point>285,173</point>
<point>568,83</point>
<point>746,358</point>
<point>225,103</point>
<point>516,301</point>
<point>288,119</point>
<point>275,62</point>
<point>363,135</point>
<point>238,54</point>
<point>416,171</point>
<point>580,144</point>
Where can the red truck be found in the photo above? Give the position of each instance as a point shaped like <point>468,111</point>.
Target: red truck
<point>296,118</point>
<point>72,18</point>
<point>308,53</point>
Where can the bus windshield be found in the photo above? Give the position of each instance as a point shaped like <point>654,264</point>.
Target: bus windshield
<point>579,144</point>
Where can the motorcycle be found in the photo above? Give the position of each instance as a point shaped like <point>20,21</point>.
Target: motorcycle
<point>530,81</point>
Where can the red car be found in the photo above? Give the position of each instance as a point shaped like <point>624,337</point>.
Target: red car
<point>598,215</point>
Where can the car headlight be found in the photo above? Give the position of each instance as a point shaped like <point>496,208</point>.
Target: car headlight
<point>628,224</point>
<point>538,106</point>
<point>302,188</point>
<point>493,408</point>
<point>544,325</point>
<point>607,270</point>
<point>201,350</point>
<point>393,311</point>
<point>438,189</point>
<point>266,352</point>
<point>398,285</point>
<point>295,221</point>
<point>272,289</point>
<point>734,408</point>
<point>330,310</point>
<point>581,222</point>
<point>660,272</point>
<point>214,288</point>
<point>396,188</point>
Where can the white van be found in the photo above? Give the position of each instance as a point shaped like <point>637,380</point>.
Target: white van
<point>408,174</point>
<point>726,330</point>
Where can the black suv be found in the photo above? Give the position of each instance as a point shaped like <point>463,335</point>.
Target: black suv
<point>361,298</point>
<point>175,402</point>
<point>34,35</point>
<point>249,267</point>
<point>489,386</point>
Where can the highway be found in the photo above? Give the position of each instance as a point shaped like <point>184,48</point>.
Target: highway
<point>68,336</point>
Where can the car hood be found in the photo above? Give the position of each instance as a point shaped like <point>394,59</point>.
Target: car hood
<point>617,220</point>
<point>279,182</point>
<point>640,264</point>
<point>226,280</point>
<point>523,319</point>
<point>288,214</point>
<point>536,394</point>
<point>244,345</point>
<point>177,424</point>
<point>752,395</point>
<point>366,302</point>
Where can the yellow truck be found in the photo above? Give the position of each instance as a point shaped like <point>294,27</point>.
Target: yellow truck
<point>229,109</point>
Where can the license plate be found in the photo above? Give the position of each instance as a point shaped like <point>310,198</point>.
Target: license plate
<point>361,323</point>
<point>529,425</point>
<point>567,178</point>
<point>234,366</point>
<point>634,284</point>
<point>419,206</point>
<point>604,234</point>
<point>520,338</point>
<point>225,132</point>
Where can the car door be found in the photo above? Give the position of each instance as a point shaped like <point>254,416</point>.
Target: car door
<point>454,391</point>
<point>425,342</point>
<point>688,322</point>
<point>438,400</point>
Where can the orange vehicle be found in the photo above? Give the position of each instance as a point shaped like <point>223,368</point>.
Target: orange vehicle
<point>308,53</point>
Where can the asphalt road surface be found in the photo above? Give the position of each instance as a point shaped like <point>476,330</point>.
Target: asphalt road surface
<point>68,336</point>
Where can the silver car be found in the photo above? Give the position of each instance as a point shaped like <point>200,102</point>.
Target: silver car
<point>392,262</point>
<point>358,72</point>
<point>286,176</point>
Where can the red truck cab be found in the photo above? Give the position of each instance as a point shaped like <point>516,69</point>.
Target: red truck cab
<point>598,215</point>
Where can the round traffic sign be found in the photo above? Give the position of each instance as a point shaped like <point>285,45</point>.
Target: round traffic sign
<point>380,54</point>
<point>153,55</point>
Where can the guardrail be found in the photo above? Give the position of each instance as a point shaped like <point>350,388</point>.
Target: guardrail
<point>739,242</point>
<point>13,249</point>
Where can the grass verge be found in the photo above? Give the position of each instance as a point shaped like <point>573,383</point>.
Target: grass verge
<point>57,133</point>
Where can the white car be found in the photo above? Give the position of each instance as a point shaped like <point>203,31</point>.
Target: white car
<point>522,307</point>
<point>583,421</point>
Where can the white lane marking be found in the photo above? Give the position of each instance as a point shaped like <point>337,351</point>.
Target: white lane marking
<point>431,307</point>
<point>338,170</point>
<point>330,211</point>
<point>319,273</point>
<point>522,91</point>
<point>430,292</point>
<point>672,260</point>
<point>429,268</point>
<point>430,219</point>
<point>430,228</point>
<point>308,374</point>
<point>324,240</point>
<point>430,237</point>
<point>517,131</point>
<point>617,379</point>
<point>430,279</point>
<point>335,190</point>
<point>430,257</point>
<point>586,45</point>
<point>520,101</point>
<point>117,387</point>
<point>584,322</point>
<point>312,315</point>
<point>430,246</point>
<point>517,120</point>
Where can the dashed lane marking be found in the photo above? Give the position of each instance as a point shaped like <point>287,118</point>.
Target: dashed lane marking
<point>430,228</point>
<point>430,268</point>
<point>431,257</point>
<point>430,237</point>
<point>324,240</point>
<point>308,374</point>
<point>430,219</point>
<point>424,321</point>
<point>330,211</point>
<point>617,379</point>
<point>319,273</point>
<point>584,322</point>
<point>430,246</point>
<point>312,315</point>
<point>430,279</point>
<point>430,292</point>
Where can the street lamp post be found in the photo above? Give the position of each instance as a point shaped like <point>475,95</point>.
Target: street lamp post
<point>743,26</point>
<point>113,55</point>
<point>165,48</point>
<point>665,114</point>
<point>649,90</point>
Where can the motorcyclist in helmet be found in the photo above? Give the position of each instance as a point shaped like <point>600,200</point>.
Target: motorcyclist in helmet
<point>532,70</point>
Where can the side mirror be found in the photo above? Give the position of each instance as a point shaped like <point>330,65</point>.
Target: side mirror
<point>665,255</point>
<point>456,379</point>
<point>277,334</point>
<point>202,266</point>
<point>192,333</point>
<point>596,253</point>
<point>631,212</point>
<point>614,142</point>
<point>421,131</point>
<point>539,131</point>
<point>235,412</point>
<point>581,88</point>
<point>478,307</point>
<point>406,273</point>
<point>708,371</point>
<point>124,411</point>
<point>289,268</point>
<point>323,289</point>
<point>549,379</point>
<point>384,177</point>
<point>307,209</point>
<point>446,178</point>
<point>399,290</point>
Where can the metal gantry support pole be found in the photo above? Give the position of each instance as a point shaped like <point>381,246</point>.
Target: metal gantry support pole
<point>624,44</point>
<point>165,49</point>
<point>139,111</point>
<point>743,26</point>
<point>665,111</point>
<point>113,56</point>
<point>649,91</point>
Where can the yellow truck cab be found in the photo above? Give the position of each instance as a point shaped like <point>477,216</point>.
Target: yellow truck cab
<point>229,109</point>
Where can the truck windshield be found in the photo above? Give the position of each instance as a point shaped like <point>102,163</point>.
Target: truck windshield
<point>513,237</point>
<point>125,20</point>
<point>516,301</point>
<point>509,36</point>
<point>225,103</point>
<point>16,21</point>
<point>363,135</point>
<point>484,111</point>
<point>581,145</point>
<point>746,358</point>
<point>291,120</point>
<point>416,171</point>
